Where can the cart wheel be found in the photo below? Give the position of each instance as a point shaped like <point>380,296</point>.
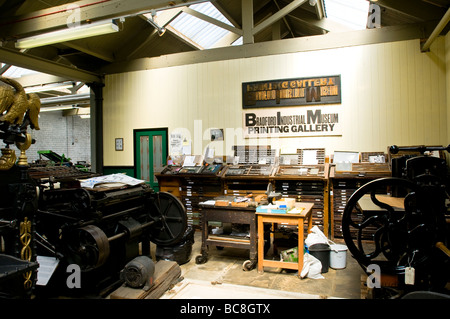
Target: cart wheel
<point>200,259</point>
<point>248,265</point>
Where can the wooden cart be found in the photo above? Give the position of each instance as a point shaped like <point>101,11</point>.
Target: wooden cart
<point>228,214</point>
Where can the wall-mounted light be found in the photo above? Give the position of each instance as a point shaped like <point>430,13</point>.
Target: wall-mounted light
<point>160,30</point>
<point>69,34</point>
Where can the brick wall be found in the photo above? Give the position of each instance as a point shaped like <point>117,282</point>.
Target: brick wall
<point>68,135</point>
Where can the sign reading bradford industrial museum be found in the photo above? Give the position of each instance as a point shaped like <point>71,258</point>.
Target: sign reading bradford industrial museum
<point>313,117</point>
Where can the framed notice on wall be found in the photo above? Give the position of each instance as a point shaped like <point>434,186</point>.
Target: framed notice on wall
<point>292,92</point>
<point>119,144</point>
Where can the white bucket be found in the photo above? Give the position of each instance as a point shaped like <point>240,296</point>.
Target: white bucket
<point>338,256</point>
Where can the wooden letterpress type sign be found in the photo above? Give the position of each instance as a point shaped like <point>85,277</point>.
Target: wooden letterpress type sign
<point>292,92</point>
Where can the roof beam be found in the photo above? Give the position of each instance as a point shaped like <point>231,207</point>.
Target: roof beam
<point>106,56</point>
<point>40,79</point>
<point>278,15</point>
<point>4,68</point>
<point>441,25</point>
<point>166,16</point>
<point>227,40</point>
<point>325,24</point>
<point>247,21</point>
<point>320,9</point>
<point>58,17</point>
<point>279,26</point>
<point>27,61</point>
<point>330,40</point>
<point>131,53</point>
<point>75,88</point>
<point>416,9</point>
<point>225,14</point>
<point>183,38</point>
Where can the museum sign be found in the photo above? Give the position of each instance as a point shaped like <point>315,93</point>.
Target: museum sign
<point>292,107</point>
<point>292,92</point>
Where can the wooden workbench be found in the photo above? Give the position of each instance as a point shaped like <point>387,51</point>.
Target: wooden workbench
<point>289,219</point>
<point>367,205</point>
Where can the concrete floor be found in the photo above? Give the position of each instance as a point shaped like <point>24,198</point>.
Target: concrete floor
<point>224,268</point>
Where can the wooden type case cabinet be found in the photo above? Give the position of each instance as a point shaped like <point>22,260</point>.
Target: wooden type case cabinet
<point>192,185</point>
<point>307,184</point>
<point>252,173</point>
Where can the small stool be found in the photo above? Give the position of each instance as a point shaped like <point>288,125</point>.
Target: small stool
<point>289,219</point>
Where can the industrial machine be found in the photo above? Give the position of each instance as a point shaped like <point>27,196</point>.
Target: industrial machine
<point>18,205</point>
<point>101,229</point>
<point>53,158</point>
<point>18,198</point>
<point>59,237</point>
<point>407,215</point>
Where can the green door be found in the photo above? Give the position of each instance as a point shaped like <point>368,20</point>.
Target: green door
<point>150,154</point>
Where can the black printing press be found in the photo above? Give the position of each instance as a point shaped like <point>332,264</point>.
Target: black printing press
<point>47,216</point>
<point>101,229</point>
<point>408,217</point>
<point>58,237</point>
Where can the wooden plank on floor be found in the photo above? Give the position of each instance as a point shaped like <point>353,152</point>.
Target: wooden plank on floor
<point>166,273</point>
<point>229,238</point>
<point>366,292</point>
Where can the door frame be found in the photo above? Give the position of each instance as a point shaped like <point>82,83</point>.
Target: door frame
<point>135,144</point>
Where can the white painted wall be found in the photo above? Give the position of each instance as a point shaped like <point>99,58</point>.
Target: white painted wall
<point>391,94</point>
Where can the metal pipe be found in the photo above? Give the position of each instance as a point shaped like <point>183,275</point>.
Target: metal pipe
<point>66,99</point>
<point>441,25</point>
<point>120,235</point>
<point>118,214</point>
<point>117,236</point>
<point>123,212</point>
<point>149,223</point>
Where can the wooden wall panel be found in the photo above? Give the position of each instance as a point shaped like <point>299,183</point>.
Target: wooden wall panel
<point>391,94</point>
<point>446,119</point>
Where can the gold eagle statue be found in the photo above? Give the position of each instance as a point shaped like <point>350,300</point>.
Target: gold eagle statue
<point>16,103</point>
<point>15,106</point>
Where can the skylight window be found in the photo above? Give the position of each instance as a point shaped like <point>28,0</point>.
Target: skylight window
<point>17,72</point>
<point>198,31</point>
<point>206,35</point>
<point>352,13</point>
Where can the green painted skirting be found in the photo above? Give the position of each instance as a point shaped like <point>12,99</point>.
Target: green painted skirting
<point>129,170</point>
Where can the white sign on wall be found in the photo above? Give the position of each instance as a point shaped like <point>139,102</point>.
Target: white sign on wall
<point>292,121</point>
